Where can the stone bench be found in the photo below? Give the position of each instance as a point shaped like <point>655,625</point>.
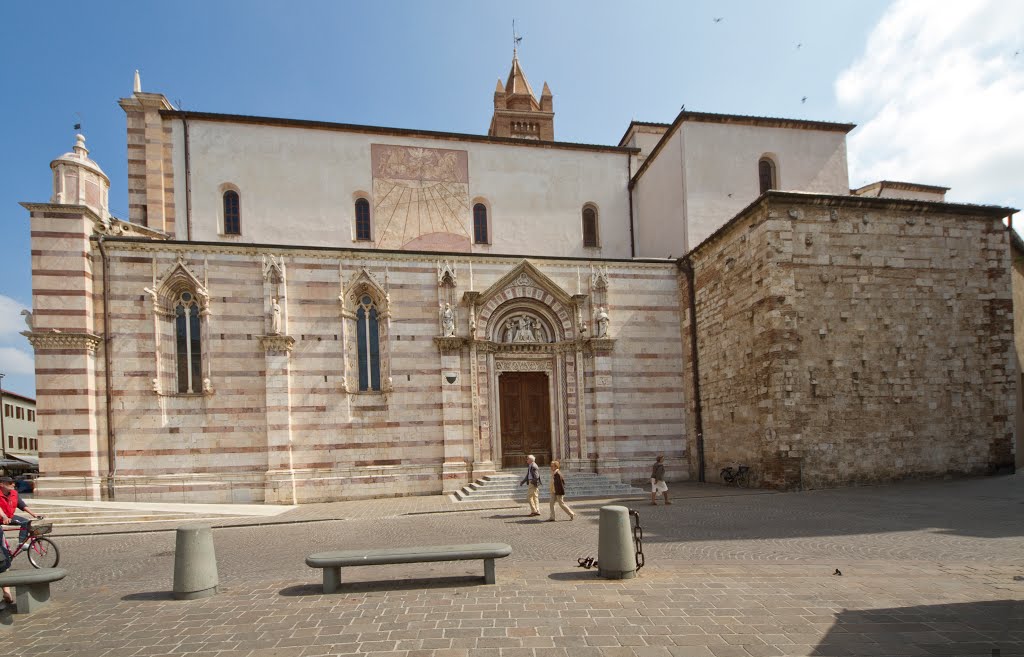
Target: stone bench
<point>31,587</point>
<point>333,562</point>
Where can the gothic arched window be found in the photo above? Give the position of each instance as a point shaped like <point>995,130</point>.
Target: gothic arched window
<point>589,226</point>
<point>766,174</point>
<point>480,223</point>
<point>368,344</point>
<point>187,343</point>
<point>232,213</point>
<point>363,220</point>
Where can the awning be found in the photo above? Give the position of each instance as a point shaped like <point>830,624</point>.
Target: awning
<point>19,462</point>
<point>27,458</point>
<point>14,464</point>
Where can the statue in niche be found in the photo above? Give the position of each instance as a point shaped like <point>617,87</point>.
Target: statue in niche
<point>275,318</point>
<point>601,323</point>
<point>448,321</point>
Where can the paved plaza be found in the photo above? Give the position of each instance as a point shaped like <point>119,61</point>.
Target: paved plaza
<point>928,568</point>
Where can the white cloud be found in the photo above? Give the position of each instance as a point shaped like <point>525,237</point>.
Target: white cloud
<point>11,321</point>
<point>941,94</point>
<point>15,361</point>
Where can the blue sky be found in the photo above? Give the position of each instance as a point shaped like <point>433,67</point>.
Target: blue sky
<point>433,65</point>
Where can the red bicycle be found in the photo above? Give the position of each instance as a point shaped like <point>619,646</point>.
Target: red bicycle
<point>42,552</point>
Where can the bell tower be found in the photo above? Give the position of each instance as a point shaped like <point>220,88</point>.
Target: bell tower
<point>517,113</point>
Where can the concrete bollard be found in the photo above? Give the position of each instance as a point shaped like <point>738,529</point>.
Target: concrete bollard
<point>195,563</point>
<point>616,556</point>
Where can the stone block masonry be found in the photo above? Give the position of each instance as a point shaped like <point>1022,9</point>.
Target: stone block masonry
<point>279,417</point>
<point>847,341</point>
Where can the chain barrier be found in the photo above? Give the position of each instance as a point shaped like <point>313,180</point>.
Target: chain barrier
<point>638,539</point>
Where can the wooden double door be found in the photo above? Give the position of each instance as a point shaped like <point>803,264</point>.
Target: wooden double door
<point>525,418</point>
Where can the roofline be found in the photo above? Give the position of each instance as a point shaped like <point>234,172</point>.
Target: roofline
<point>767,121</point>
<point>8,393</point>
<point>382,130</point>
<point>871,202</point>
<point>646,123</point>
<point>907,186</point>
<point>737,119</point>
<point>363,253</point>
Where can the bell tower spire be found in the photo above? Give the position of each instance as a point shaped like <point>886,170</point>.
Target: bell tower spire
<point>517,113</point>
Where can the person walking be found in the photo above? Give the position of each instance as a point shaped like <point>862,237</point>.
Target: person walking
<point>558,492</point>
<point>658,481</point>
<point>533,489</point>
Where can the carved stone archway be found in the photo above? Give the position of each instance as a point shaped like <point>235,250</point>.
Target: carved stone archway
<point>525,322</point>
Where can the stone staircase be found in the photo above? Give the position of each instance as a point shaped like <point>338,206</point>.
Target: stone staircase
<point>68,517</point>
<point>505,486</point>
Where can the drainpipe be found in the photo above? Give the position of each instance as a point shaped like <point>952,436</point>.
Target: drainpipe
<point>686,265</point>
<point>188,183</point>
<point>111,455</point>
<point>629,187</point>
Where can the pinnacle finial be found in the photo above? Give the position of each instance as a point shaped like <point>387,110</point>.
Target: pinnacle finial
<point>80,145</point>
<point>137,87</point>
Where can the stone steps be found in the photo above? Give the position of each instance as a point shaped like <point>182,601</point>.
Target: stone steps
<point>64,517</point>
<point>505,486</point>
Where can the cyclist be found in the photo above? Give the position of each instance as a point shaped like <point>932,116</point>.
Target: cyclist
<point>11,503</point>
<point>5,555</point>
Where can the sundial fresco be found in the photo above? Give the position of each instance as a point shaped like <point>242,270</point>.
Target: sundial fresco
<point>421,198</point>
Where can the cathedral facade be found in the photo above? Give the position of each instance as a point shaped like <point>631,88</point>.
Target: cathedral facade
<point>299,311</point>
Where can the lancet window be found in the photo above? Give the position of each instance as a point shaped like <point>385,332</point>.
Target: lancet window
<point>188,343</point>
<point>368,343</point>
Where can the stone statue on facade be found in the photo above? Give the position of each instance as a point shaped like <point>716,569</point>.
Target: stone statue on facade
<point>448,321</point>
<point>601,323</point>
<point>275,318</point>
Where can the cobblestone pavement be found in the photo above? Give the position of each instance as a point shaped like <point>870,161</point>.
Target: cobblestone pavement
<point>927,568</point>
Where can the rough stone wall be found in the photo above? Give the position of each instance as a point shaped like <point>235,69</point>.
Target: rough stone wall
<point>1017,275</point>
<point>738,322</point>
<point>881,348</point>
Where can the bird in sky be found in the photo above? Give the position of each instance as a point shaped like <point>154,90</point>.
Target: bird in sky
<point>682,107</point>
<point>1017,52</point>
<point>804,99</point>
<point>718,20</point>
<point>798,46</point>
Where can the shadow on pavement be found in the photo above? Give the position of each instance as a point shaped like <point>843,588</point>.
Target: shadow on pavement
<point>578,575</point>
<point>150,596</point>
<point>983,507</point>
<point>385,585</point>
<point>972,628</point>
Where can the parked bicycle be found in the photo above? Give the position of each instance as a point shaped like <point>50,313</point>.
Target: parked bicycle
<point>738,476</point>
<point>42,552</point>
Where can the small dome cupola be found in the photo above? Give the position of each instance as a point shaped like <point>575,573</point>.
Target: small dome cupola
<point>77,180</point>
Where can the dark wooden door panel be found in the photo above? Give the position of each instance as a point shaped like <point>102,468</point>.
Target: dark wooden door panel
<point>525,417</point>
